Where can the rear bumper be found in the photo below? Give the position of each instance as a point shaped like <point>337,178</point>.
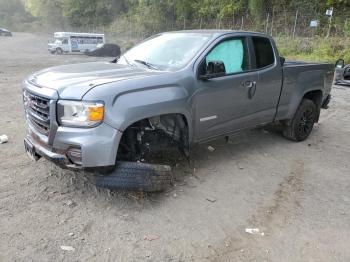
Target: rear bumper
<point>97,147</point>
<point>326,101</point>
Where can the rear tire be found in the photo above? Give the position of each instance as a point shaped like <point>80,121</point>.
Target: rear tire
<point>303,121</point>
<point>59,51</point>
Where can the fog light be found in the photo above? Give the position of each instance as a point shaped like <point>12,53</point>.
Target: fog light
<point>75,156</point>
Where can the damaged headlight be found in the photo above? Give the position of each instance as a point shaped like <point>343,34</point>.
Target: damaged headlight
<point>79,113</point>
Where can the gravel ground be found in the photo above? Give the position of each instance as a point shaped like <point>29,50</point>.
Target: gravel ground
<point>297,194</point>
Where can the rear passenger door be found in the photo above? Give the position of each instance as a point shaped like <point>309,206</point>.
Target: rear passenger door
<point>269,83</point>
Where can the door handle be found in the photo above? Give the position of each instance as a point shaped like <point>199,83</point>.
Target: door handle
<point>251,85</point>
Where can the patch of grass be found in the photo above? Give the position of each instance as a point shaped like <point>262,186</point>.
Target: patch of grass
<point>314,49</point>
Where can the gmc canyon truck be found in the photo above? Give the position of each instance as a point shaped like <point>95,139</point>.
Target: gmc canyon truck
<point>174,89</point>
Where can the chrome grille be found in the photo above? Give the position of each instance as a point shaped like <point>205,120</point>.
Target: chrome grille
<point>37,110</point>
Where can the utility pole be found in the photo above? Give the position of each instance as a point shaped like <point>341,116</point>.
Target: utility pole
<point>329,13</point>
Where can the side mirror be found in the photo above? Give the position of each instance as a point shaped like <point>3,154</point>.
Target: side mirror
<point>340,63</point>
<point>283,60</point>
<point>214,69</point>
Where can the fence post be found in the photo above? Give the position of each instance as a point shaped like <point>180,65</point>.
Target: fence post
<point>345,24</point>
<point>242,22</point>
<point>273,15</point>
<point>295,23</point>
<point>329,25</point>
<point>285,22</point>
<point>233,21</point>
<point>267,22</point>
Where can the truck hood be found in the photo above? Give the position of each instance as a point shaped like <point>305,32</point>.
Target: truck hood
<point>74,81</point>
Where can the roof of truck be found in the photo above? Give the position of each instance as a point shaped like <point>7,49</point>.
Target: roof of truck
<point>216,32</point>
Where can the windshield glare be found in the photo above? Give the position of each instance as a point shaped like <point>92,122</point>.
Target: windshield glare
<point>170,51</point>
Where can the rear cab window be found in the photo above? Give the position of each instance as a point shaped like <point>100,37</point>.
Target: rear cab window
<point>264,54</point>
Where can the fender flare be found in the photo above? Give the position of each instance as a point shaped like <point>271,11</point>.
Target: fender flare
<point>131,107</point>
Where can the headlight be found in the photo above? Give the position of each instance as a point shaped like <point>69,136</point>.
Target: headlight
<point>79,113</point>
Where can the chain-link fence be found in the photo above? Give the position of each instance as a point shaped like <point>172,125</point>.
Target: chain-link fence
<point>277,24</point>
<point>126,30</point>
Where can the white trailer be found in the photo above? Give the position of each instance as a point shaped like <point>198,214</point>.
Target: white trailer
<point>69,42</point>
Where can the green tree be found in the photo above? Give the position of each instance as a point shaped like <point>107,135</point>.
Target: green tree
<point>13,14</point>
<point>49,11</point>
<point>91,12</point>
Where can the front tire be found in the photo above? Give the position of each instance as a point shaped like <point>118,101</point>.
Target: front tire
<point>59,51</point>
<point>136,176</point>
<point>303,121</point>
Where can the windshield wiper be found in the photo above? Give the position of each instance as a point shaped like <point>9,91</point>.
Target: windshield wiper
<point>116,60</point>
<point>149,65</point>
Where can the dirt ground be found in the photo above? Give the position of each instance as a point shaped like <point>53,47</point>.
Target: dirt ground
<point>297,194</point>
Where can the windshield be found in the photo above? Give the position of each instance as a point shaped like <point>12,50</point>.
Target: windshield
<point>170,51</point>
<point>58,40</point>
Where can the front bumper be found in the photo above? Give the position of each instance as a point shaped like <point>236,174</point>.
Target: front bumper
<point>98,147</point>
<point>51,47</point>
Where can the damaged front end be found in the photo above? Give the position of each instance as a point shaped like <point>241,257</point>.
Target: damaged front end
<point>159,139</point>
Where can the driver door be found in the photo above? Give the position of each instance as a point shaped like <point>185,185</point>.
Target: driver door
<point>225,103</point>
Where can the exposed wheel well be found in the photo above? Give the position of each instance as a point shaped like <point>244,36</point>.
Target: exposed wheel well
<point>316,97</point>
<point>152,134</point>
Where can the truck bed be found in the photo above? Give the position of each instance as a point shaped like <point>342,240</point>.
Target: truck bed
<point>291,63</point>
<point>298,77</point>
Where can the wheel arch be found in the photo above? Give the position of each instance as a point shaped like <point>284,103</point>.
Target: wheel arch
<point>316,97</point>
<point>139,137</point>
<point>178,115</point>
<point>133,106</point>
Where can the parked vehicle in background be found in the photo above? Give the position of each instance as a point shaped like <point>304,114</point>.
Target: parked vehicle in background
<point>173,90</point>
<point>342,73</point>
<point>5,32</point>
<point>108,50</point>
<point>69,42</point>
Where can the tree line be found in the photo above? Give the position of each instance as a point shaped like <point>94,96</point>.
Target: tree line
<point>153,14</point>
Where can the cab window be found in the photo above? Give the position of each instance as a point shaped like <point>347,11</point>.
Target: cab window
<point>233,53</point>
<point>264,54</point>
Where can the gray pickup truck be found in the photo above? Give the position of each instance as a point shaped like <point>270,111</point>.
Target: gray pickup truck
<point>174,89</point>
